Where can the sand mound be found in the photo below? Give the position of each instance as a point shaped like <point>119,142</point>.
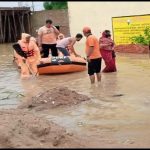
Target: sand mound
<point>132,48</point>
<point>54,98</point>
<point>21,129</point>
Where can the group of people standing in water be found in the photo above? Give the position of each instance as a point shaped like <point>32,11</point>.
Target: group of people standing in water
<point>50,40</point>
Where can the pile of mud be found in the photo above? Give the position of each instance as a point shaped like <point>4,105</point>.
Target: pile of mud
<point>132,48</point>
<point>54,98</point>
<point>21,129</point>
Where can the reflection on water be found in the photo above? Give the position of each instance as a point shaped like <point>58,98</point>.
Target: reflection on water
<point>121,98</point>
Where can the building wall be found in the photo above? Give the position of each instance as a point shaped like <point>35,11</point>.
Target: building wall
<point>98,15</point>
<point>59,17</point>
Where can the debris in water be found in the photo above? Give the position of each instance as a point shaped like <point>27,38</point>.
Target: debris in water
<point>117,95</point>
<point>80,123</point>
<point>61,97</point>
<point>20,95</point>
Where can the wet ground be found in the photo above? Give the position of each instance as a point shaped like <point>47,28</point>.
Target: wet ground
<point>118,114</point>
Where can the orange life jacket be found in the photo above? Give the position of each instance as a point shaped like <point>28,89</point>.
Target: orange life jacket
<point>29,53</point>
<point>25,48</point>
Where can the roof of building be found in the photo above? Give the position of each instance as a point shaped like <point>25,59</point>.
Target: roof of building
<point>14,8</point>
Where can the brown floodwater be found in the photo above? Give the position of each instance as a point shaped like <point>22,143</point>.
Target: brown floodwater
<point>119,104</point>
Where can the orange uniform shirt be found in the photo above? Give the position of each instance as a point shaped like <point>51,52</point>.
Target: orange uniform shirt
<point>93,41</point>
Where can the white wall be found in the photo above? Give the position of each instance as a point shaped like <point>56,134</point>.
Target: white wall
<point>98,15</point>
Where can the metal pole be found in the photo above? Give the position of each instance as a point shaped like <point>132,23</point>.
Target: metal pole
<point>32,6</point>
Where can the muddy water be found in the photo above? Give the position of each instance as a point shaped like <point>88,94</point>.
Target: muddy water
<point>120,103</point>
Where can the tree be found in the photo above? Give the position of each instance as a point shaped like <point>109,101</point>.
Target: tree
<point>55,5</point>
<point>47,5</point>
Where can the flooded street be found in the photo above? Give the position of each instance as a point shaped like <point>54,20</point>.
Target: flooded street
<point>119,108</point>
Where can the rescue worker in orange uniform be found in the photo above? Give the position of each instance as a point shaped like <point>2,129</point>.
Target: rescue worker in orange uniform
<point>93,54</point>
<point>29,47</point>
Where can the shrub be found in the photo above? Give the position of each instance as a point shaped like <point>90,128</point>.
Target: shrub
<point>142,39</point>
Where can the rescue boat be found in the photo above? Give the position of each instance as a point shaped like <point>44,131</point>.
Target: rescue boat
<point>55,65</point>
<point>61,65</point>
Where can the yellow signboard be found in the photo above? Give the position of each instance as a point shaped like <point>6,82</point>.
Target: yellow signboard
<point>126,27</point>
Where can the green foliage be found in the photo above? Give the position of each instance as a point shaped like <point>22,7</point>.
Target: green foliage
<point>142,39</point>
<point>47,5</point>
<point>55,5</point>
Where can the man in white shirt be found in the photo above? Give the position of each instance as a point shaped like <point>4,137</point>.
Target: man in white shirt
<point>66,45</point>
<point>47,38</point>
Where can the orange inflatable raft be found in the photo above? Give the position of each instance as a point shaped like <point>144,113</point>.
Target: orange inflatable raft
<point>59,65</point>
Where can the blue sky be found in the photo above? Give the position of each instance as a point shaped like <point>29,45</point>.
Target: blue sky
<point>37,5</point>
